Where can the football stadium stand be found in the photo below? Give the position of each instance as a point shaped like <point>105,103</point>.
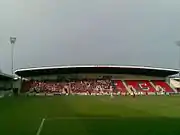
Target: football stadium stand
<point>175,82</point>
<point>5,81</point>
<point>96,80</point>
<point>5,84</point>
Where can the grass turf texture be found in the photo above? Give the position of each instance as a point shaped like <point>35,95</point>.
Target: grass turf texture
<point>90,115</point>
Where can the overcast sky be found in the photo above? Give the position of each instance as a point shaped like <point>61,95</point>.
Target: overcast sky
<point>64,32</point>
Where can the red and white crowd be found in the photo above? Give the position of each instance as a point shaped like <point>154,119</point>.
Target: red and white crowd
<point>98,86</point>
<point>83,86</point>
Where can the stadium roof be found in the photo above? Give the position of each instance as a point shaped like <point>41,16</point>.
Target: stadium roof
<point>105,69</point>
<point>4,76</point>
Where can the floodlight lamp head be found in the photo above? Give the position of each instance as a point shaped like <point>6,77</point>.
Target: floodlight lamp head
<point>12,40</point>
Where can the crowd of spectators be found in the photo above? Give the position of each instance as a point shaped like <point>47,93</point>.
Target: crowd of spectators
<point>78,86</point>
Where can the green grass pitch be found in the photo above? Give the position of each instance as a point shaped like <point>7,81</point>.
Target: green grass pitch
<point>90,115</point>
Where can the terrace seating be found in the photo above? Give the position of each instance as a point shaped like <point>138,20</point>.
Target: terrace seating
<point>120,86</point>
<point>84,86</point>
<point>98,86</point>
<point>162,86</point>
<point>91,86</point>
<point>140,86</point>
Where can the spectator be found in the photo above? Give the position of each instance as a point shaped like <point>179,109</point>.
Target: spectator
<point>83,86</point>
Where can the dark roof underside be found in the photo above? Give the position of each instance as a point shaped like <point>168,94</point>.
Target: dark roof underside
<point>5,78</point>
<point>99,70</point>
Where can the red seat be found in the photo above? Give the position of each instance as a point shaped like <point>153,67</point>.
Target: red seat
<point>163,85</point>
<point>140,85</point>
<point>120,86</point>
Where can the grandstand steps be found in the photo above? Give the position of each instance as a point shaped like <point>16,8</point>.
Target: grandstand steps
<point>128,88</point>
<point>162,86</point>
<point>113,84</point>
<point>120,86</point>
<point>153,85</point>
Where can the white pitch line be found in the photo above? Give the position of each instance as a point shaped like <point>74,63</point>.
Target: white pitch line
<point>85,118</point>
<point>40,127</point>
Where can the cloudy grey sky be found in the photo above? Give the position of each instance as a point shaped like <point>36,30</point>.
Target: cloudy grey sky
<point>63,32</point>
